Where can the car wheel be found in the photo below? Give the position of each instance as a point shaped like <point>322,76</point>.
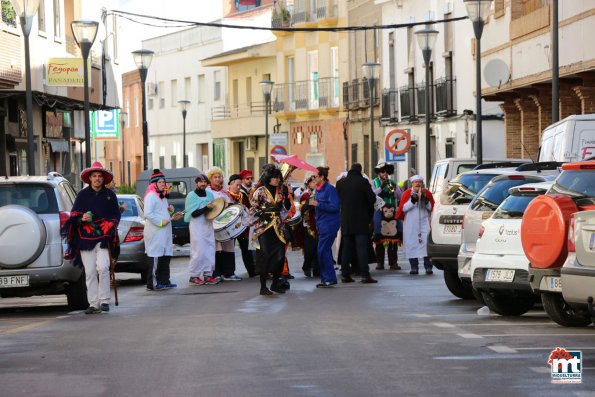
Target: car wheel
<point>456,286</point>
<point>76,294</point>
<point>562,313</point>
<point>508,305</point>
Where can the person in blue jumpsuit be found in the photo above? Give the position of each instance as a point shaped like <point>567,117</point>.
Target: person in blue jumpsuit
<point>328,222</point>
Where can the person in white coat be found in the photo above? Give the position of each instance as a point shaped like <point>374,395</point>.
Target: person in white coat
<point>158,232</point>
<point>414,210</point>
<point>202,234</point>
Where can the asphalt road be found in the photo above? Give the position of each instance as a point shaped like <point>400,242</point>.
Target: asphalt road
<point>405,336</point>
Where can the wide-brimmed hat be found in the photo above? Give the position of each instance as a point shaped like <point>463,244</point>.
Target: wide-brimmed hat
<point>97,167</point>
<point>384,166</point>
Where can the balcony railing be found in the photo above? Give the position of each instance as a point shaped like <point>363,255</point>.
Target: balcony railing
<point>326,9</point>
<point>445,97</point>
<point>282,16</point>
<point>407,99</point>
<point>306,95</point>
<point>421,99</point>
<point>301,12</point>
<point>390,110</point>
<point>237,111</point>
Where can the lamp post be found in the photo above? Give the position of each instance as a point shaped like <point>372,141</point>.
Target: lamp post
<point>478,11</point>
<point>183,104</point>
<point>426,38</point>
<point>267,87</point>
<point>123,121</point>
<point>371,73</point>
<point>84,33</point>
<point>26,10</point>
<point>142,59</point>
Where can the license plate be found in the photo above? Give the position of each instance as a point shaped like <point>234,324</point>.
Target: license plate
<point>452,229</point>
<point>14,281</point>
<point>592,242</point>
<point>553,283</point>
<point>502,275</point>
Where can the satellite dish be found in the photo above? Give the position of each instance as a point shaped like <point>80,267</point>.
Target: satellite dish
<point>496,73</point>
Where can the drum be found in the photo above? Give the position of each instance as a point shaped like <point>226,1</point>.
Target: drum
<point>295,219</point>
<point>228,225</point>
<point>378,204</point>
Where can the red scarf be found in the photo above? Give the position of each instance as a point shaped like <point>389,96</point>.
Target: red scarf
<point>406,196</point>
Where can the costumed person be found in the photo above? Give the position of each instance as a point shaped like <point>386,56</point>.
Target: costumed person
<point>158,233</point>
<point>310,266</point>
<point>235,196</point>
<point>414,210</point>
<point>244,238</point>
<point>357,210</point>
<point>225,257</point>
<point>270,203</point>
<point>202,234</point>
<point>387,231</point>
<point>91,231</point>
<point>328,222</point>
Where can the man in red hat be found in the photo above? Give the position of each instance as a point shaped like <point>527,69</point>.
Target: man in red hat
<point>244,239</point>
<point>91,230</point>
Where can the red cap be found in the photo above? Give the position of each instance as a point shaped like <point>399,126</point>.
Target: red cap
<point>245,174</point>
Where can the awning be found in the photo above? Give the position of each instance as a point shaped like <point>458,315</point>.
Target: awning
<point>59,146</point>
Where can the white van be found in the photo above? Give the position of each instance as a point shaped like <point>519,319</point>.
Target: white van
<point>569,140</point>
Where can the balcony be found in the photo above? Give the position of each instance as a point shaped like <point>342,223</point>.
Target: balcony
<point>445,97</point>
<point>407,99</point>
<point>302,13</point>
<point>326,12</point>
<point>390,109</point>
<point>236,111</point>
<point>421,99</point>
<point>282,16</point>
<point>238,120</point>
<point>364,101</point>
<point>306,95</point>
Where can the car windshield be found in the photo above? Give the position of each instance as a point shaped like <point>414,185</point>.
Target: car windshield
<point>513,207</point>
<point>462,189</point>
<point>575,183</point>
<point>178,190</point>
<point>131,209</point>
<point>493,195</point>
<point>39,198</point>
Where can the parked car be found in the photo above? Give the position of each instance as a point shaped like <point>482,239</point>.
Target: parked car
<point>32,209</point>
<point>132,258</point>
<point>578,272</point>
<point>446,224</point>
<point>499,267</point>
<point>544,234</point>
<point>181,182</point>
<point>483,206</point>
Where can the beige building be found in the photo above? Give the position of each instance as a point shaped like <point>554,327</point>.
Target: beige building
<point>519,33</point>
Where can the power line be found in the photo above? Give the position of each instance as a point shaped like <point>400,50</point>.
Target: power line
<point>182,23</point>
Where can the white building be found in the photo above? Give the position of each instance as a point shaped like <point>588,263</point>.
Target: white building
<point>452,84</point>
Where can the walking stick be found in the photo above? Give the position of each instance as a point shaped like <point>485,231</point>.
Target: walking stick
<point>112,272</point>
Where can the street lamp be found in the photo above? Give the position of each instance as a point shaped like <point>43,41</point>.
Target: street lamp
<point>426,38</point>
<point>84,33</point>
<point>26,10</point>
<point>183,104</point>
<point>123,121</point>
<point>478,10</point>
<point>371,73</point>
<point>142,59</point>
<point>267,87</point>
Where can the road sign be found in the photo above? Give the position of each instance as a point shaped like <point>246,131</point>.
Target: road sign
<point>105,125</point>
<point>397,141</point>
<point>278,149</point>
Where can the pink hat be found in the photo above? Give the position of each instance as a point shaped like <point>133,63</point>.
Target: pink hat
<point>97,167</point>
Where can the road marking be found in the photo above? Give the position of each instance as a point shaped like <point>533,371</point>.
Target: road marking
<point>502,349</point>
<point>492,324</point>
<point>541,370</point>
<point>23,328</point>
<point>444,325</point>
<point>470,336</point>
<point>422,315</point>
<point>532,335</point>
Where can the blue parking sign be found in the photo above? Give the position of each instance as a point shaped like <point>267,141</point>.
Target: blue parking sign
<point>105,124</point>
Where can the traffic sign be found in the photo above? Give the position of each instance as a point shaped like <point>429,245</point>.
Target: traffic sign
<point>397,141</point>
<point>278,149</point>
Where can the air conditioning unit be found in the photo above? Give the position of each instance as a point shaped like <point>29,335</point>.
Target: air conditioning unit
<point>251,143</point>
<point>152,89</point>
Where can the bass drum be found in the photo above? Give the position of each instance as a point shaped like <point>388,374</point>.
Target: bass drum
<point>295,219</point>
<point>228,225</point>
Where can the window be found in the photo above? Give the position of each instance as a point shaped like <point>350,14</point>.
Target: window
<point>41,16</point>
<point>173,161</point>
<point>217,86</point>
<point>136,112</point>
<point>201,88</point>
<point>127,107</point>
<point>161,92</point>
<point>161,162</point>
<point>391,60</point>
<point>450,148</point>
<point>187,88</point>
<point>248,90</point>
<point>57,19</point>
<point>174,93</point>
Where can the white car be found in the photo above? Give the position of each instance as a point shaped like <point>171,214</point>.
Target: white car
<point>499,267</point>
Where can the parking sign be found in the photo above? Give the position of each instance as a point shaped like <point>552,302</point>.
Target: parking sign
<point>105,125</point>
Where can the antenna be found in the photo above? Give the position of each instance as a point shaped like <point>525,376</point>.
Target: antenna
<point>531,158</point>
<point>496,73</point>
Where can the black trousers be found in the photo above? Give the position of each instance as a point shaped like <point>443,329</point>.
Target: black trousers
<point>271,257</point>
<point>355,250</point>
<point>225,264</point>
<point>158,271</point>
<point>310,255</point>
<point>247,256</point>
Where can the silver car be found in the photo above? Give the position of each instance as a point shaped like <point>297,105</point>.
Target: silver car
<point>132,258</point>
